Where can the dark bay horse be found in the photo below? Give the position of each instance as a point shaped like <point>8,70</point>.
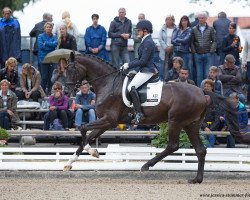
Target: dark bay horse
<point>182,105</point>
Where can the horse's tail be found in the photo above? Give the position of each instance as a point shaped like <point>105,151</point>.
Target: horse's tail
<point>230,111</point>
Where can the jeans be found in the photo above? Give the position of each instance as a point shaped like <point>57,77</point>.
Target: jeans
<point>203,63</point>
<point>211,140</point>
<point>118,52</point>
<point>248,77</point>
<point>60,114</point>
<point>46,74</point>
<point>81,118</point>
<point>5,120</point>
<point>230,141</point>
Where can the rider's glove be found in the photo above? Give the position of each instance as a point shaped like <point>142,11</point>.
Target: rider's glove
<point>124,66</point>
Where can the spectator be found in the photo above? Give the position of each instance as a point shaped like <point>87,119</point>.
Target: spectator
<point>10,37</point>
<point>58,106</point>
<point>242,118</point>
<point>166,47</point>
<point>95,39</point>
<point>246,65</point>
<point>231,43</point>
<point>10,73</point>
<point>71,27</point>
<point>8,105</point>
<point>183,77</point>
<point>212,118</point>
<point>231,78</point>
<point>47,43</point>
<point>38,29</point>
<point>120,31</point>
<point>221,26</point>
<point>30,82</point>
<point>174,72</point>
<point>203,45</point>
<point>181,39</point>
<point>136,39</point>
<point>196,20</point>
<point>59,74</point>
<point>85,105</point>
<point>213,75</point>
<point>66,40</point>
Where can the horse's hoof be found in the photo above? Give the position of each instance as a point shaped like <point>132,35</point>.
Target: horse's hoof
<point>144,168</point>
<point>94,153</point>
<point>67,168</point>
<point>194,181</point>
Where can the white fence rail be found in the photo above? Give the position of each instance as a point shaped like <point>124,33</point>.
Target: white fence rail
<point>116,157</point>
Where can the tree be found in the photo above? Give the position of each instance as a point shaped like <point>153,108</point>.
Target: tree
<point>244,3</point>
<point>15,5</point>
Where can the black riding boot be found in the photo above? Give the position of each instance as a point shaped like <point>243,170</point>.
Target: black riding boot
<point>137,105</point>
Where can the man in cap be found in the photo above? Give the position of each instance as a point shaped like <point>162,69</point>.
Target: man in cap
<point>231,78</point>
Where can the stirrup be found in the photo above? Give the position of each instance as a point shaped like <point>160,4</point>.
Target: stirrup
<point>138,117</point>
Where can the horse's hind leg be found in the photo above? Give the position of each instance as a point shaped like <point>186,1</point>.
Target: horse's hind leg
<point>192,131</point>
<point>173,145</point>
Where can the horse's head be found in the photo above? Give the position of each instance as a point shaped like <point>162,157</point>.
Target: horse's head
<point>75,73</point>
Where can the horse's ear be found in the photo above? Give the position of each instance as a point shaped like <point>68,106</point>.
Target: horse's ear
<point>72,57</point>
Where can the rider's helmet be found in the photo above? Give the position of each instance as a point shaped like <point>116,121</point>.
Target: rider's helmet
<point>145,25</point>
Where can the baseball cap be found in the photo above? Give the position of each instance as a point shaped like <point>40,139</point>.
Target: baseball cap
<point>230,58</point>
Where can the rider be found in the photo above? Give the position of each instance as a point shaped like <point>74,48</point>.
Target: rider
<point>145,63</point>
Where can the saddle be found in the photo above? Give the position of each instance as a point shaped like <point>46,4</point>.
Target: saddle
<point>149,93</point>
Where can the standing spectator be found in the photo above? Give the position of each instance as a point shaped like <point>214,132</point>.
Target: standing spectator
<point>66,40</point>
<point>181,40</point>
<point>59,74</point>
<point>58,106</point>
<point>231,78</point>
<point>213,75</point>
<point>231,44</point>
<point>120,31</point>
<point>203,45</point>
<point>30,83</point>
<point>137,40</point>
<point>196,20</point>
<point>71,27</point>
<point>10,73</point>
<point>221,26</point>
<point>212,118</point>
<point>85,105</point>
<point>95,39</point>
<point>47,43</point>
<point>38,29</point>
<point>174,72</point>
<point>10,37</point>
<point>246,64</point>
<point>8,105</point>
<point>183,77</point>
<point>166,47</point>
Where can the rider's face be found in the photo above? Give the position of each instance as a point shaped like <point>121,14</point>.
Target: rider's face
<point>140,33</point>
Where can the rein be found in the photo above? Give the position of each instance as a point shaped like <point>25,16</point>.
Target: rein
<point>95,79</point>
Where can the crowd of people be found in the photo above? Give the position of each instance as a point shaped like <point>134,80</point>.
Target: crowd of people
<point>190,52</point>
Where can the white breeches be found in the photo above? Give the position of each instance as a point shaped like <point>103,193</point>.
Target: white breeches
<point>139,79</point>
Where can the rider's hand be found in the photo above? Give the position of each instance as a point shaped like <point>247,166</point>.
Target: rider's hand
<point>124,66</point>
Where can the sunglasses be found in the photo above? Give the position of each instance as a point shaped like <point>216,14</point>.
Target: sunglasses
<point>57,88</point>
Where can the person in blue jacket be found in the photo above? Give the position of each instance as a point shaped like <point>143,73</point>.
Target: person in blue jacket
<point>10,37</point>
<point>145,62</point>
<point>95,39</point>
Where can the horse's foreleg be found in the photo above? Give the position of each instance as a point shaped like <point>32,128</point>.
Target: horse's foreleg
<point>194,136</point>
<point>173,145</point>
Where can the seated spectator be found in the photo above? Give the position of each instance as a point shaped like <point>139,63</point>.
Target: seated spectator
<point>173,73</point>
<point>231,77</point>
<point>66,40</point>
<point>242,118</point>
<point>213,72</point>
<point>10,73</point>
<point>59,74</point>
<point>58,106</point>
<point>85,105</point>
<point>212,118</point>
<point>183,77</point>
<point>8,105</point>
<point>30,83</point>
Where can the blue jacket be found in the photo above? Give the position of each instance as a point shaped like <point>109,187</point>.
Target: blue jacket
<point>96,38</point>
<point>242,116</point>
<point>10,39</point>
<point>85,100</point>
<point>146,51</point>
<point>45,45</point>
<point>182,40</point>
